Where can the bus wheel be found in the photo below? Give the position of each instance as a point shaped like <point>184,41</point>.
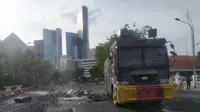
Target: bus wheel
<point>114,98</point>
<point>157,103</point>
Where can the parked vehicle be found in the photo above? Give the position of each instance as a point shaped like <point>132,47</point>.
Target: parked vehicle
<point>138,70</point>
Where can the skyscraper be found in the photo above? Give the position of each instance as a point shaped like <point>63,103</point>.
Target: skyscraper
<point>83,32</point>
<point>58,45</point>
<point>52,45</point>
<point>71,43</point>
<point>39,48</point>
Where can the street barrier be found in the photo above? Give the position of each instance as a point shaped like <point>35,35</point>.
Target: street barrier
<point>8,88</point>
<point>27,89</point>
<point>3,94</point>
<point>18,86</point>
<point>17,91</point>
<point>9,92</point>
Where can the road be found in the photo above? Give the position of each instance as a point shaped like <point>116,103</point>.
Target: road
<point>8,105</point>
<point>189,103</point>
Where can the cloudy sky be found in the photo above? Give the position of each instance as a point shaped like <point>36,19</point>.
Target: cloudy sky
<point>27,18</point>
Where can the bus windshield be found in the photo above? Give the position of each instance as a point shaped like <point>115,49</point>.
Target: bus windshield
<point>130,57</point>
<point>155,56</point>
<point>135,57</point>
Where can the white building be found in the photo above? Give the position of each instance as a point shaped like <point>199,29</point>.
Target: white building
<point>92,53</point>
<point>66,63</point>
<point>87,64</point>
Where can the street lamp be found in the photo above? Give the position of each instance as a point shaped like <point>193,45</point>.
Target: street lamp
<point>197,44</point>
<point>192,41</point>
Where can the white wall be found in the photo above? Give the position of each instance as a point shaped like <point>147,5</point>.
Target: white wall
<point>66,63</point>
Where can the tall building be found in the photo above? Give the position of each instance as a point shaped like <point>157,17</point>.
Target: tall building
<point>53,45</point>
<point>39,48</point>
<point>71,45</point>
<point>83,31</point>
<point>58,45</point>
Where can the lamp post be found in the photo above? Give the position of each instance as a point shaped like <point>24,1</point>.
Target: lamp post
<point>192,42</point>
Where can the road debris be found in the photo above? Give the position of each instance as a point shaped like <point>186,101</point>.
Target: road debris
<point>40,104</point>
<point>96,96</point>
<point>70,110</point>
<point>23,99</point>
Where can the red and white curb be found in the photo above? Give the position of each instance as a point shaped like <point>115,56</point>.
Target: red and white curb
<point>16,91</point>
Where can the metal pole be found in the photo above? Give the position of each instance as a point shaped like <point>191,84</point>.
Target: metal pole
<point>186,46</point>
<point>193,54</point>
<point>190,23</point>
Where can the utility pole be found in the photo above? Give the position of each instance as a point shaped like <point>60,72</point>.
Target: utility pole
<point>190,23</point>
<point>186,46</point>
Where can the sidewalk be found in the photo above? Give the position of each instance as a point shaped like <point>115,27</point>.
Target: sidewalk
<point>192,86</point>
<point>197,89</point>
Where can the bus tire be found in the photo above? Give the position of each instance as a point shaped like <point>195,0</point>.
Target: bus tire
<point>114,99</point>
<point>156,102</point>
<point>111,91</point>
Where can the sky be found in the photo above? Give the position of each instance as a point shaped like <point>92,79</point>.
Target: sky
<point>27,18</point>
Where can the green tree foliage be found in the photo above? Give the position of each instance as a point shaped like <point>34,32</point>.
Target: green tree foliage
<point>18,67</point>
<point>103,49</point>
<point>198,55</point>
<point>95,72</point>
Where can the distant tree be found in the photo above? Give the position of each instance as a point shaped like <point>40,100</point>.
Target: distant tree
<point>95,72</point>
<point>102,50</point>
<point>23,67</point>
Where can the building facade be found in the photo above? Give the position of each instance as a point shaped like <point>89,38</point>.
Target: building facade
<point>53,45</point>
<point>184,63</point>
<point>58,45</point>
<point>87,64</point>
<point>83,32</point>
<point>39,48</point>
<point>66,63</point>
<point>71,45</point>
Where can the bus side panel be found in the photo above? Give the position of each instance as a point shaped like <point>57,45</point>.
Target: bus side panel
<point>169,91</point>
<point>126,94</point>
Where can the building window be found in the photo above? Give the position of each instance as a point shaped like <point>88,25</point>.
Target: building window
<point>53,38</point>
<point>55,59</point>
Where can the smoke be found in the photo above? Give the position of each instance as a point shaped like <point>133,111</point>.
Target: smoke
<point>63,7</point>
<point>94,11</point>
<point>71,16</point>
<point>93,16</point>
<point>93,20</point>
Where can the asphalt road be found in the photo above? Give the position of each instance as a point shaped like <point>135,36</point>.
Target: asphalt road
<point>190,102</point>
<point>9,105</point>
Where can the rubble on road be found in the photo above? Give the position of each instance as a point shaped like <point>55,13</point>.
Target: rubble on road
<point>23,99</point>
<point>91,94</point>
<point>79,93</point>
<point>74,93</point>
<point>39,104</point>
<point>69,110</point>
<point>97,96</point>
